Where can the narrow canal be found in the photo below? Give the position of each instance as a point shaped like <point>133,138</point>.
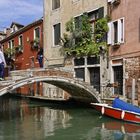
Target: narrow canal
<point>28,120</point>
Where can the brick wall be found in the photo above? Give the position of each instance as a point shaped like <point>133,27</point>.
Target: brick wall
<point>132,70</point>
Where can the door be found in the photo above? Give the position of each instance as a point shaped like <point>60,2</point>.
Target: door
<point>118,78</point>
<point>95,77</point>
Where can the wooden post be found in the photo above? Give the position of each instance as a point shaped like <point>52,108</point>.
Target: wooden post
<point>133,91</point>
<point>139,92</point>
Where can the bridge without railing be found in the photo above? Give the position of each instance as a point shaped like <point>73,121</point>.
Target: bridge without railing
<point>79,90</point>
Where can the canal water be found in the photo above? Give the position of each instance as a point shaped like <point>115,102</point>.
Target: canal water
<point>28,120</point>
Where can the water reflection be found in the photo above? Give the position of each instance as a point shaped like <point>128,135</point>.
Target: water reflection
<point>22,119</point>
<point>110,129</point>
<point>30,121</point>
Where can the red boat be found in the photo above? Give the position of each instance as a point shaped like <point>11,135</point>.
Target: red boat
<point>118,112</point>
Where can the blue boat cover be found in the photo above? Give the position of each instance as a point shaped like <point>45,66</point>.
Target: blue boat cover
<point>117,103</point>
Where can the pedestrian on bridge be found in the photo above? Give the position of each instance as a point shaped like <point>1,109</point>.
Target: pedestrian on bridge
<point>2,63</point>
<point>40,57</point>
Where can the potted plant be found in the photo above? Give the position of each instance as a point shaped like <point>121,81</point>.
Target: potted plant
<point>35,43</point>
<point>19,49</point>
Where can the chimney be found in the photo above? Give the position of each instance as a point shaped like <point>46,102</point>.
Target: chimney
<point>7,31</point>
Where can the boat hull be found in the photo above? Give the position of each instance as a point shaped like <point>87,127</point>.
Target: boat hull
<point>117,113</point>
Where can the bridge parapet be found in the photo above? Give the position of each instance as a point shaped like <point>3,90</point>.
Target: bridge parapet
<point>21,74</point>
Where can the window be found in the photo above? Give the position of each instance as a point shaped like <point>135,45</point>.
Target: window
<point>12,44</point>
<point>95,15</point>
<point>37,33</point>
<point>80,73</point>
<point>116,32</point>
<point>20,40</point>
<point>93,60</point>
<point>55,4</point>
<point>57,34</point>
<point>115,26</point>
<point>79,62</point>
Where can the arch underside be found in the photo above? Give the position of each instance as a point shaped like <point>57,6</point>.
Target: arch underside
<point>78,91</point>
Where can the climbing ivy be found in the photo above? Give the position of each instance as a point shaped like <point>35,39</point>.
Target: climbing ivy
<point>80,40</point>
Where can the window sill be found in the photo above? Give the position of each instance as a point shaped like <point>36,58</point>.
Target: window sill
<point>56,46</point>
<point>75,1</point>
<point>56,10</point>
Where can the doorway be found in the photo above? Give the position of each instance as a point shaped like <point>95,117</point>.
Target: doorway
<point>118,78</point>
<point>95,77</point>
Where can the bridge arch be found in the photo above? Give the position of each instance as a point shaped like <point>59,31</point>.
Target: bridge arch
<point>77,89</point>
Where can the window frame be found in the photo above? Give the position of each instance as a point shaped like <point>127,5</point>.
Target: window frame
<point>12,43</point>
<point>54,41</point>
<point>120,32</point>
<point>55,5</point>
<point>38,27</point>
<point>19,40</point>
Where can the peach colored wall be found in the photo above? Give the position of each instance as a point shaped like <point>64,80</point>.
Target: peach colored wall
<point>130,10</point>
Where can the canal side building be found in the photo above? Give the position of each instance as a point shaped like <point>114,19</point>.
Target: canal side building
<point>124,42</point>
<point>20,46</point>
<point>57,13</point>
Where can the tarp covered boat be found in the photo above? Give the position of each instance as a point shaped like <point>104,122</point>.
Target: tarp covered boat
<point>117,103</point>
<point>120,110</point>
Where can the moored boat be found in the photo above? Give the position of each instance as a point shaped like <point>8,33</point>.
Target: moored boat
<point>119,110</point>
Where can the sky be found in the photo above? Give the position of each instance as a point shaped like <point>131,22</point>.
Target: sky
<point>20,11</point>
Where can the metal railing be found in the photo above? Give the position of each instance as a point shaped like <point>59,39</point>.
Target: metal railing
<point>107,89</point>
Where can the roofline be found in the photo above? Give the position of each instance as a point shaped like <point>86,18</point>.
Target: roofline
<point>18,24</point>
<point>21,30</point>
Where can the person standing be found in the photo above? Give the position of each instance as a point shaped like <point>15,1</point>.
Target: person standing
<point>2,63</point>
<point>40,57</point>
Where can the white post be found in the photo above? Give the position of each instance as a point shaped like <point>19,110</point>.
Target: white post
<point>133,90</point>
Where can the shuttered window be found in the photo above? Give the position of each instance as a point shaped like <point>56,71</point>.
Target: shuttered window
<point>109,35</point>
<point>116,32</point>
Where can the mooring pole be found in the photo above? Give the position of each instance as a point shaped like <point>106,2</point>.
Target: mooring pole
<point>139,92</point>
<point>133,91</point>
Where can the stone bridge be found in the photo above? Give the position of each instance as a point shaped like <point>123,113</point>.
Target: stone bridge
<point>79,90</point>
